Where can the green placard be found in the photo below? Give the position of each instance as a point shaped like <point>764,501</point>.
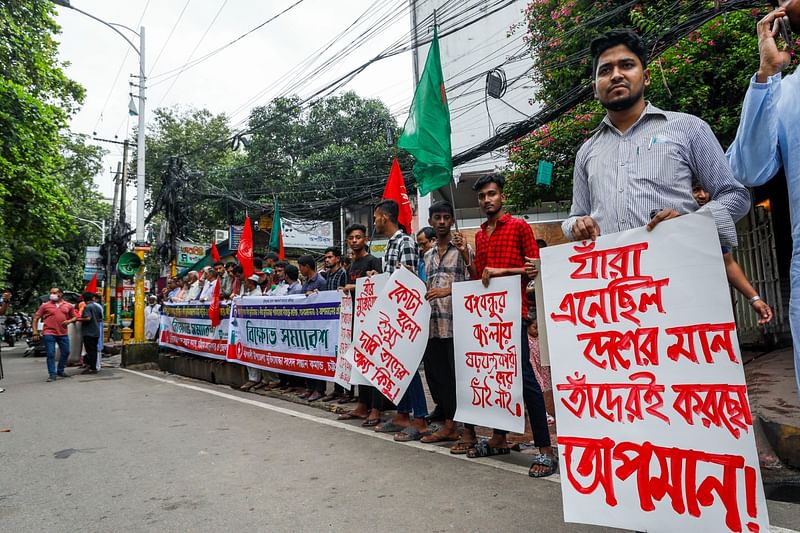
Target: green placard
<point>544,176</point>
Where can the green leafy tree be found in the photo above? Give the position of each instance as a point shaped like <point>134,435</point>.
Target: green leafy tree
<point>705,74</point>
<point>35,269</point>
<point>339,149</point>
<point>198,137</point>
<point>36,99</point>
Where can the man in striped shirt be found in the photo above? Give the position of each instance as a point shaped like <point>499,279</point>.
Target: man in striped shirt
<point>637,168</point>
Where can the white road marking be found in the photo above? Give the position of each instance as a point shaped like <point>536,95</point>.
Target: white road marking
<point>498,465</point>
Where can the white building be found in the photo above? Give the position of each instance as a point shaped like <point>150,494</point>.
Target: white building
<point>468,56</point>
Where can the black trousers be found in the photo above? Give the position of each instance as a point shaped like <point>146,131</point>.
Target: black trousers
<point>440,373</point>
<point>316,385</point>
<point>372,398</point>
<point>90,345</point>
<point>532,395</point>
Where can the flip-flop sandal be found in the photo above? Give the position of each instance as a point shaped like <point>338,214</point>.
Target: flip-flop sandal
<point>482,449</point>
<point>350,416</point>
<point>546,460</point>
<point>461,447</point>
<point>438,437</point>
<point>370,422</point>
<point>410,434</point>
<point>389,427</point>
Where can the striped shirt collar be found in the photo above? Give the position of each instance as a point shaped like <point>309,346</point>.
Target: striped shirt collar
<point>649,109</point>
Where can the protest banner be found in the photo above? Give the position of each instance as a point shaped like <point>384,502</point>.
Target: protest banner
<point>488,364</point>
<point>295,335</point>
<point>392,339</point>
<point>655,428</point>
<point>367,291</point>
<point>187,327</point>
<point>343,366</point>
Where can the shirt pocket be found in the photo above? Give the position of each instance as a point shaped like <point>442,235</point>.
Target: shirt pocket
<point>659,161</point>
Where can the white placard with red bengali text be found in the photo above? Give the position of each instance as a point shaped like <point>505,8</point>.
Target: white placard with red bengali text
<point>486,327</point>
<point>343,366</point>
<point>392,339</point>
<point>367,291</point>
<point>654,425</point>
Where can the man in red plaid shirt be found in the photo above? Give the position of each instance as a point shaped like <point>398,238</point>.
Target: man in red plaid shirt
<point>501,246</point>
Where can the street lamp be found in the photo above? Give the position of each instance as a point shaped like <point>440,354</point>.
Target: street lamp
<point>101,225</point>
<point>140,147</point>
<point>140,190</point>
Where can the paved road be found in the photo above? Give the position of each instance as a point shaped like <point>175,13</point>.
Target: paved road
<point>126,451</point>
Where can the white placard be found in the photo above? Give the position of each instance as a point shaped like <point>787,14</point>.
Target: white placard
<point>487,327</point>
<point>394,335</point>
<point>343,366</point>
<point>367,291</point>
<point>655,429</point>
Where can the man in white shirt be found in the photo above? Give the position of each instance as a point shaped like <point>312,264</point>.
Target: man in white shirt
<point>194,287</point>
<point>207,293</point>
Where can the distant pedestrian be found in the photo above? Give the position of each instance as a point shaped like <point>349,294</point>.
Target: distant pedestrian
<point>91,317</point>
<point>4,301</point>
<point>56,315</point>
<point>152,318</point>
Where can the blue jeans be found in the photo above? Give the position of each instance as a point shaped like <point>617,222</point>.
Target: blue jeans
<point>63,344</point>
<point>414,399</point>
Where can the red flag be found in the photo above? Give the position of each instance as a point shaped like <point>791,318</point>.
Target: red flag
<point>213,309</point>
<point>245,251</point>
<point>92,285</point>
<point>214,252</point>
<point>396,190</point>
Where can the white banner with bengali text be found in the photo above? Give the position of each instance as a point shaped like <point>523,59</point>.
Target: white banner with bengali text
<point>295,335</point>
<point>186,327</point>
<point>343,367</point>
<point>487,326</point>
<point>654,424</point>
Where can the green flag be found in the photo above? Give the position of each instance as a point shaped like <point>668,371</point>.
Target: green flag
<point>276,237</point>
<point>426,134</point>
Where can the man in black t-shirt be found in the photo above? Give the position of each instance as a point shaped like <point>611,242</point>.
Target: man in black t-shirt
<point>91,318</point>
<point>370,401</point>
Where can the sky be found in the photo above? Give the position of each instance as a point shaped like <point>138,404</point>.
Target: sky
<point>243,75</point>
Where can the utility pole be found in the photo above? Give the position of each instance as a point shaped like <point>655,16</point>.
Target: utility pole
<point>110,245</point>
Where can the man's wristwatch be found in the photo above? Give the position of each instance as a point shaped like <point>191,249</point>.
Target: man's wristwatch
<point>754,299</point>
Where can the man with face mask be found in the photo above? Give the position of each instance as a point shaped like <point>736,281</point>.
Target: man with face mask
<point>769,137</point>
<point>637,168</point>
<point>56,315</point>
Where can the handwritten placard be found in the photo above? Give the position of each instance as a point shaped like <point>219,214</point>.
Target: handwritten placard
<point>486,323</point>
<point>655,428</point>
<point>343,366</point>
<point>392,340</point>
<point>367,291</point>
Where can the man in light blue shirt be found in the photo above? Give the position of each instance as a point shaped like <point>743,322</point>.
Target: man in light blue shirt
<point>769,137</point>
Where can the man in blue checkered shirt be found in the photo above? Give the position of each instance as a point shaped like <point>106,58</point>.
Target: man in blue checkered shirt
<point>401,251</point>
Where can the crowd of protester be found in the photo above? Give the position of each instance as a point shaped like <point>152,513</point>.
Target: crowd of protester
<point>700,178</point>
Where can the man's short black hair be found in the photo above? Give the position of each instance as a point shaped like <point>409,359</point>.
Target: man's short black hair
<point>230,264</point>
<point>238,269</point>
<point>334,250</point>
<point>273,256</point>
<point>306,261</point>
<point>258,263</point>
<point>291,272</point>
<point>441,207</point>
<point>486,179</point>
<point>282,264</point>
<point>389,208</point>
<point>88,296</point>
<point>355,227</point>
<point>428,232</point>
<point>612,38</point>
<point>219,264</point>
